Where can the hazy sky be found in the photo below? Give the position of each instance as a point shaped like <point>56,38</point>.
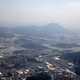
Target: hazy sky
<point>66,12</point>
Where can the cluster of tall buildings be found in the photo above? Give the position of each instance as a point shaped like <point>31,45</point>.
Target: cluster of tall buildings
<point>39,73</point>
